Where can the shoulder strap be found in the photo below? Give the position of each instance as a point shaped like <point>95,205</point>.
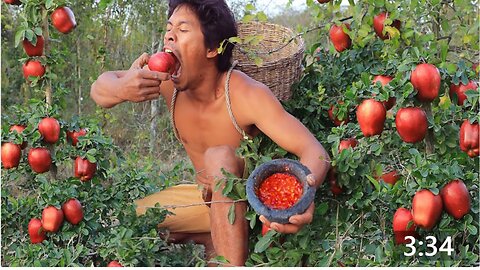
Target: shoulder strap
<point>172,114</point>
<point>229,105</point>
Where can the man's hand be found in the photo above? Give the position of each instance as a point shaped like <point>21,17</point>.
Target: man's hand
<point>140,84</point>
<point>296,221</point>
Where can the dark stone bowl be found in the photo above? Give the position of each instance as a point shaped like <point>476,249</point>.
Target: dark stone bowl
<point>265,170</point>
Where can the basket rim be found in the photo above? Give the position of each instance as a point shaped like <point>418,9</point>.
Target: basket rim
<point>297,39</point>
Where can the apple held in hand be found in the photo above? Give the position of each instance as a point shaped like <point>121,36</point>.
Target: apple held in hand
<point>412,124</point>
<point>72,209</point>
<point>162,62</point>
<point>459,91</point>
<point>52,218</point>
<point>33,68</point>
<point>11,154</point>
<point>84,169</point>
<point>379,22</point>
<point>469,138</point>
<point>341,41</point>
<point>371,115</point>
<point>426,80</point>
<point>63,19</point>
<point>36,231</point>
<point>426,209</point>
<point>19,129</point>
<point>50,129</point>
<point>456,198</point>
<point>39,159</point>
<point>34,50</point>
<point>401,221</point>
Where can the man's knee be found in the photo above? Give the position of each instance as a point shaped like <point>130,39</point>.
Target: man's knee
<point>222,156</point>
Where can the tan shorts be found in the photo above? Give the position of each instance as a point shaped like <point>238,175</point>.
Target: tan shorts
<point>190,219</point>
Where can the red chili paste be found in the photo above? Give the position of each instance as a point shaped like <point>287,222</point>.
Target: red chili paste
<point>280,191</point>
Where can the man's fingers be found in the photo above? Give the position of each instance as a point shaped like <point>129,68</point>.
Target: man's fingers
<point>150,83</point>
<point>285,228</point>
<point>311,180</point>
<point>264,220</point>
<point>153,96</point>
<point>304,218</point>
<point>154,75</point>
<point>150,90</point>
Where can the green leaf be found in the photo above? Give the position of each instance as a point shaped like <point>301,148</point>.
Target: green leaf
<point>472,229</point>
<point>19,36</point>
<point>228,187</point>
<point>49,4</point>
<point>374,182</point>
<point>231,214</point>
<point>264,242</point>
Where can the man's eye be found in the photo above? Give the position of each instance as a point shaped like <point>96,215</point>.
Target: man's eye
<point>183,30</point>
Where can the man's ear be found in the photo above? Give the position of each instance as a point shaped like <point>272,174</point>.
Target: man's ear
<point>211,53</point>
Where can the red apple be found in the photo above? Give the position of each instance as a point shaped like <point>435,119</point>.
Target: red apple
<point>323,1</point>
<point>426,80</point>
<point>19,129</point>
<point>84,169</point>
<point>412,124</point>
<point>378,24</point>
<point>63,19</point>
<point>33,68</point>
<point>72,209</point>
<point>34,50</point>
<point>335,120</point>
<point>114,264</point>
<point>50,129</point>
<point>13,2</point>
<point>36,231</point>
<point>390,177</point>
<point>347,143</point>
<point>456,198</point>
<point>459,91</point>
<point>426,209</point>
<point>469,138</point>
<point>162,62</point>
<point>39,159</point>
<point>332,181</point>
<point>11,154</point>
<point>52,218</point>
<point>401,221</point>
<point>371,116</point>
<point>341,41</point>
<point>73,135</point>
<point>384,80</point>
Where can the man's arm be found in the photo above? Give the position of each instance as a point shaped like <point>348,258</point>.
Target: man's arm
<point>266,112</point>
<point>136,85</point>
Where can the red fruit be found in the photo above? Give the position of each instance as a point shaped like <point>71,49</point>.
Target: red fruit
<point>162,62</point>
<point>412,124</point>
<point>344,144</point>
<point>63,19</point>
<point>459,91</point>
<point>426,209</point>
<point>323,1</point>
<point>265,229</point>
<point>371,116</point>
<point>84,169</point>
<point>114,264</point>
<point>34,50</point>
<point>13,2</point>
<point>456,198</point>
<point>52,218</point>
<point>36,232</point>
<point>19,129</point>
<point>73,135</point>
<point>72,209</point>
<point>11,154</point>
<point>33,68</point>
<point>426,80</point>
<point>384,80</point>
<point>332,181</point>
<point>39,159</point>
<point>401,220</point>
<point>390,177</point>
<point>335,120</point>
<point>469,138</point>
<point>378,24</point>
<point>50,129</point>
<point>341,41</point>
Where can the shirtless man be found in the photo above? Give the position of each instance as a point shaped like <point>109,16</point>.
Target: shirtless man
<point>209,129</point>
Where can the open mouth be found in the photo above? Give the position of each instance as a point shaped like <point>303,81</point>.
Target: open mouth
<point>177,70</point>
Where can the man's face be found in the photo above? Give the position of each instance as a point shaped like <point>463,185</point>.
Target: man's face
<point>185,39</point>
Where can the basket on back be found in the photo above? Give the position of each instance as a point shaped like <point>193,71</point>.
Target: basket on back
<point>281,66</point>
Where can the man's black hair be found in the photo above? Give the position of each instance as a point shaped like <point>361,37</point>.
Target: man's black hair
<point>217,23</point>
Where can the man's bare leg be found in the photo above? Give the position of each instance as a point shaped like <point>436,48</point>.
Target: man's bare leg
<point>204,239</point>
<point>230,241</point>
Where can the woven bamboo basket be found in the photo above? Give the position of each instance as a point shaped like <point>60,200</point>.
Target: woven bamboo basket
<point>281,56</point>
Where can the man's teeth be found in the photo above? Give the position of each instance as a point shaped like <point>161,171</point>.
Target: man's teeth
<point>168,51</point>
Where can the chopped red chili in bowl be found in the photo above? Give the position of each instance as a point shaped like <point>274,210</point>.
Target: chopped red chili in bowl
<point>280,191</point>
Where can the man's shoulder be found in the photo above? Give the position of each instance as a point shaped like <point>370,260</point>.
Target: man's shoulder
<point>244,86</point>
